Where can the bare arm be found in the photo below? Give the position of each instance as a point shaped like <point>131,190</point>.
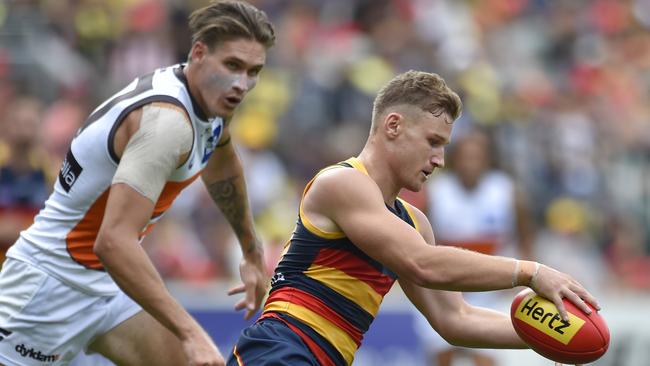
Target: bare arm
<point>224,178</point>
<point>449,314</point>
<point>141,175</point>
<point>354,203</point>
<point>118,247</point>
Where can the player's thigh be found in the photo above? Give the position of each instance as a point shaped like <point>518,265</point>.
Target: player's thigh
<point>140,340</point>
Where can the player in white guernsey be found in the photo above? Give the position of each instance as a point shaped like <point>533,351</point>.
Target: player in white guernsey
<point>78,279</point>
<point>493,221</point>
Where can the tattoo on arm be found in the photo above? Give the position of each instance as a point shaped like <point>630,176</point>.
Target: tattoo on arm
<point>229,195</point>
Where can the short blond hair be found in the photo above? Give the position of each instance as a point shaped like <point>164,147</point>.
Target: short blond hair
<point>425,90</point>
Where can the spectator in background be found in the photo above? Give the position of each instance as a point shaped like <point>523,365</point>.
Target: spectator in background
<point>24,177</point>
<point>562,84</point>
<point>568,243</point>
<point>474,206</point>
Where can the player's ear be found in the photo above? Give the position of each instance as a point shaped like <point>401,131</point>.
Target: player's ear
<point>198,51</point>
<point>393,124</point>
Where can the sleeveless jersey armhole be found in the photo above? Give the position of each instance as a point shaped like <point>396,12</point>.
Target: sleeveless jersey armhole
<point>305,220</point>
<point>409,210</point>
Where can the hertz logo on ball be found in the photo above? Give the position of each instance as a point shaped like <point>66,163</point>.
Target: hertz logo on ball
<point>543,316</point>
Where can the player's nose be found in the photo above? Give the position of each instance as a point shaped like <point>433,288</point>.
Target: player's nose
<point>438,161</point>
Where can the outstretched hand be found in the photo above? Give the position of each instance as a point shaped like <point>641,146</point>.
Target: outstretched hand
<point>555,286</point>
<point>255,283</point>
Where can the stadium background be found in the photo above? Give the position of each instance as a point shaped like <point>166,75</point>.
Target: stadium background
<point>562,86</point>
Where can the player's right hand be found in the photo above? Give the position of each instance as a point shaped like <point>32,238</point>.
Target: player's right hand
<point>555,286</point>
<point>201,351</point>
<point>255,283</point>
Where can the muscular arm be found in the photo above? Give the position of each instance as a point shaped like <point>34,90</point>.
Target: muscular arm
<point>224,178</point>
<point>449,314</point>
<point>131,203</point>
<point>354,204</point>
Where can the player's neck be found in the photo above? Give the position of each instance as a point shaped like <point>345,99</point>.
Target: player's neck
<point>190,75</point>
<point>379,170</point>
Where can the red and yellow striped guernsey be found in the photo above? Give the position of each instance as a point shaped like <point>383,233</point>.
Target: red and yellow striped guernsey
<point>326,289</point>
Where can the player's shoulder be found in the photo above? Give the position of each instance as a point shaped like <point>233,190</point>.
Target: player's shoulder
<point>419,218</point>
<point>341,184</point>
<point>340,175</point>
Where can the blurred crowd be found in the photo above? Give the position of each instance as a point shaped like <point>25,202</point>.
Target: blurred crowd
<point>561,88</point>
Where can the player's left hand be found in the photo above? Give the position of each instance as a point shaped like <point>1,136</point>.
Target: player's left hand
<point>255,282</point>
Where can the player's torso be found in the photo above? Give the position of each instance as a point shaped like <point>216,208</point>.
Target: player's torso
<point>329,290</point>
<point>481,219</point>
<point>63,234</point>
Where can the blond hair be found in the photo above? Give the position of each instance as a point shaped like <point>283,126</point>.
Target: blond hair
<point>428,91</point>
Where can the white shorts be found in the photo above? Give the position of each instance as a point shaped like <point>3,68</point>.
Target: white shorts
<point>46,322</point>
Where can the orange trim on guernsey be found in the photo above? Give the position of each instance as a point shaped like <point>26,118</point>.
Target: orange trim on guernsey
<point>237,357</point>
<point>80,241</point>
<point>169,193</point>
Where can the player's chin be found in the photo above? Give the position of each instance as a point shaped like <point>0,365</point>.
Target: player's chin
<point>415,186</point>
<point>224,113</point>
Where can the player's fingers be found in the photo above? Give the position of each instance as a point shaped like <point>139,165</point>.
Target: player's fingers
<point>587,296</point>
<point>577,301</point>
<point>557,300</point>
<point>241,304</point>
<point>237,290</point>
<point>251,297</point>
<point>249,314</point>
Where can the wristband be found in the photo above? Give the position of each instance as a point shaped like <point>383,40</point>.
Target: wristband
<point>534,276</point>
<point>515,273</point>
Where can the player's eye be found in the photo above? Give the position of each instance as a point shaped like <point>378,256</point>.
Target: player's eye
<point>231,65</point>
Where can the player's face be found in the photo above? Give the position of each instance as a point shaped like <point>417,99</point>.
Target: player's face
<point>226,74</point>
<point>472,158</point>
<point>423,145</point>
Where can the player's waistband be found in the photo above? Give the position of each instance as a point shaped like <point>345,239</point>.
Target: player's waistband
<point>324,352</point>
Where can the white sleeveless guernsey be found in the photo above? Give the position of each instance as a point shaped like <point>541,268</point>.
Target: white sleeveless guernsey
<point>482,219</point>
<point>61,239</point>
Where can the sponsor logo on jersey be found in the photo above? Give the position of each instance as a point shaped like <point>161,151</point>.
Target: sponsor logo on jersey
<point>542,315</point>
<point>277,278</point>
<point>34,354</point>
<point>70,171</point>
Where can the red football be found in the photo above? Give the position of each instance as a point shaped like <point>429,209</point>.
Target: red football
<point>581,340</point>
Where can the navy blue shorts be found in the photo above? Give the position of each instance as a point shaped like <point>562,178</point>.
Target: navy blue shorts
<point>270,342</point>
